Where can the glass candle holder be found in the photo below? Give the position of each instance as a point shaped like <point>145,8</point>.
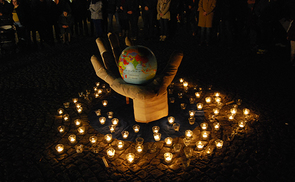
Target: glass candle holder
<point>79,110</point>
<point>198,95</point>
<point>183,106</point>
<point>112,128</point>
<point>99,91</point>
<point>233,111</point>
<point>157,136</point>
<point>93,139</point>
<point>110,114</point>
<point>188,151</point>
<point>180,94</point>
<point>188,133</point>
<point>218,143</point>
<point>77,122</point>
<point>66,117</point>
<point>216,125</point>
<point>204,126</point>
<point>75,100</point>
<point>72,138</point>
<point>192,100</point>
<point>191,120</point>
<point>156,129</point>
<point>108,138</point>
<point>120,144</point>
<point>208,100</point>
<point>185,84</point>
<point>66,104</point>
<point>217,99</point>
<point>81,130</point>
<point>168,141</point>
<point>115,121</point>
<point>186,141</point>
<point>216,111</point>
<point>199,106</point>
<point>94,89</point>
<point>130,157</point>
<point>102,120</point>
<point>125,134</point>
<point>139,148</point>
<point>59,148</point>
<point>192,113</point>
<point>97,84</point>
<point>61,129</point>
<point>78,105</point>
<point>208,150</point>
<point>231,117</point>
<point>211,117</point>
<point>136,128</point>
<point>79,148</point>
<point>216,94</point>
<point>171,120</point>
<point>168,157</point>
<point>246,111</point>
<point>98,112</point>
<point>177,147</point>
<point>181,80</point>
<point>241,123</point>
<point>205,134</point>
<point>110,152</point>
<point>200,145</point>
<point>104,103</point>
<point>176,126</point>
<point>139,140</point>
<point>60,111</point>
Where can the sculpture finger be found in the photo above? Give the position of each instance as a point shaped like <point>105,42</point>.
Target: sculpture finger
<point>115,45</point>
<point>100,70</point>
<point>128,42</point>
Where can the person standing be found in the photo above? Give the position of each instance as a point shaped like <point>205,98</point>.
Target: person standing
<point>149,17</point>
<point>132,9</point>
<point>206,14</point>
<point>122,14</point>
<point>95,8</point>
<point>65,23</point>
<point>163,15</point>
<point>291,38</point>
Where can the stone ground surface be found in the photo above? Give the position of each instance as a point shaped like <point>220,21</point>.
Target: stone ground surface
<point>35,84</point>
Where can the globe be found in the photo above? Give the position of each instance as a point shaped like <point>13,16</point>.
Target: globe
<point>137,65</point>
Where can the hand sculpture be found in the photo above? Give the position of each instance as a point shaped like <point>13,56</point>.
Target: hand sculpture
<point>150,101</point>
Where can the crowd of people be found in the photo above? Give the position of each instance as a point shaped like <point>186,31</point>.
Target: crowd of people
<point>225,21</point>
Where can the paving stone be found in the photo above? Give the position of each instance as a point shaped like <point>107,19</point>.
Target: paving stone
<point>156,173</point>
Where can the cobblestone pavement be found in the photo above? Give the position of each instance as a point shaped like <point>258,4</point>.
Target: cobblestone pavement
<point>34,85</point>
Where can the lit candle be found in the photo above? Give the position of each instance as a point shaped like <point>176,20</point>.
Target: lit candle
<point>231,117</point>
<point>108,138</point>
<point>99,91</point>
<point>81,130</point>
<point>78,105</point>
<point>77,122</point>
<point>136,128</point>
<point>199,106</point>
<point>110,114</point>
<point>216,94</point>
<point>208,100</point>
<point>181,80</point>
<point>169,141</point>
<point>66,104</point>
<point>200,145</point>
<point>191,120</point>
<point>115,121</point>
<point>218,143</point>
<point>98,112</point>
<point>192,100</point>
<point>79,110</point>
<point>104,103</point>
<point>208,150</point>
<point>97,84</point>
<point>120,144</point>
<point>102,120</point>
<point>188,133</point>
<point>241,123</point>
<point>112,128</point>
<point>171,120</point>
<point>176,126</point>
<point>157,136</point>
<point>96,95</point>
<point>246,111</point>
<point>60,111</point>
<point>75,100</point>
<point>197,94</point>
<point>185,84</point>
<point>155,129</point>
<point>59,148</point>
<point>61,128</point>
<point>72,138</point>
<point>204,126</point>
<point>216,125</point>
<point>79,148</point>
<point>191,113</point>
<point>130,157</point>
<point>205,134</point>
<point>180,95</point>
<point>168,157</point>
<point>66,117</point>
<point>93,139</point>
<point>111,152</point>
<point>233,111</point>
<point>94,89</point>
<point>125,134</point>
<point>139,148</point>
<point>216,111</point>
<point>217,99</point>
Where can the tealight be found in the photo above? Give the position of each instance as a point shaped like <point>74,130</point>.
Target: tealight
<point>199,106</point>
<point>176,126</point>
<point>168,141</point>
<point>94,89</point>
<point>79,148</point>
<point>72,138</point>
<point>191,120</point>
<point>171,120</point>
<point>218,143</point>
<point>209,150</point>
<point>96,95</point>
<point>66,117</point>
<point>217,99</point>
<point>233,111</point>
<point>66,104</point>
<point>216,111</point>
<point>200,145</point>
<point>216,94</point>
<point>60,111</point>
<point>98,112</point>
<point>188,133</point>
<point>61,129</point>
<point>104,103</point>
<point>102,120</point>
<point>216,125</point>
<point>168,157</point>
<point>81,130</point>
<point>97,84</point>
<point>77,122</point>
<point>78,105</point>
<point>246,111</point>
<point>59,148</point>
<point>93,139</point>
<point>130,157</point>
<point>112,128</point>
<point>241,123</point>
<point>99,91</point>
<point>181,80</point>
<point>191,113</point>
<point>231,117</point>
<point>185,84</point>
<point>204,126</point>
<point>136,128</point>
<point>197,94</point>
<point>79,110</point>
<point>157,136</point>
<point>205,134</point>
<point>155,129</point>
<point>110,114</point>
<point>120,144</point>
<point>108,138</point>
<point>115,121</point>
<point>75,100</point>
<point>139,148</point>
<point>125,134</point>
<point>192,100</point>
<point>111,152</point>
<point>208,100</point>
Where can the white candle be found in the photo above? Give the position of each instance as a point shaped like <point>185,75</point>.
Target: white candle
<point>216,111</point>
<point>216,94</point>
<point>139,148</point>
<point>125,134</point>
<point>157,136</point>
<point>200,145</point>
<point>216,125</point>
<point>205,134</point>
<point>60,111</point>
<point>168,157</point>
<point>93,139</point>
<point>241,123</point>
<point>155,129</point>
<point>181,80</point>
<point>233,111</point>
<point>218,143</point>
<point>79,148</point>
<point>66,117</point>
<point>169,141</point>
<point>246,111</point>
<point>185,84</point>
<point>75,100</point>
<point>61,128</point>
<point>104,103</point>
<point>78,122</point>
<point>197,94</point>
<point>115,121</point>
<point>171,120</point>
<point>204,126</point>
<point>102,120</point>
<point>98,112</point>
<point>59,148</point>
<point>110,114</point>
<point>108,138</point>
<point>188,133</point>
<point>111,152</point>
<point>130,157</point>
<point>208,100</point>
<point>191,113</point>
<point>97,84</point>
<point>199,106</point>
<point>79,110</point>
<point>217,99</point>
<point>81,130</point>
<point>136,128</point>
<point>120,144</point>
<point>72,138</point>
<point>112,128</point>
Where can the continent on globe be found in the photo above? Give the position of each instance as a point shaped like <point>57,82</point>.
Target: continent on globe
<point>137,65</point>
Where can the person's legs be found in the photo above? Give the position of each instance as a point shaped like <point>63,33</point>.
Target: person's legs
<point>110,22</point>
<point>292,56</point>
<point>202,39</point>
<point>208,30</point>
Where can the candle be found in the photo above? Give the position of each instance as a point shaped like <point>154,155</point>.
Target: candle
<point>211,117</point>
<point>218,143</point>
<point>139,148</point>
<point>120,144</point>
<point>168,157</point>
<point>216,111</point>
<point>115,121</point>
<point>136,128</point>
<point>104,103</point>
<point>172,100</point>
<point>186,141</point>
<point>199,106</point>
<point>208,100</point>
<point>168,141</point>
<point>81,130</point>
<point>72,138</point>
<point>177,147</point>
<point>78,105</point>
<point>191,113</point>
<point>60,111</point>
<point>171,120</point>
<point>192,100</point>
<point>108,138</point>
<point>96,95</point>
<point>233,111</point>
<point>102,120</point>
<point>205,134</point>
<point>246,111</point>
<point>79,148</point>
<point>66,117</point>
<point>66,104</point>
<point>241,123</point>
<point>77,122</point>
<point>182,106</point>
<point>157,136</point>
<point>130,157</point>
<point>231,117</point>
<point>112,128</point>
<point>181,80</point>
<point>139,140</point>
<point>94,89</point>
<point>208,150</point>
<point>93,139</point>
<point>125,134</point>
<point>200,145</point>
<point>75,100</point>
<point>217,99</point>
<point>61,129</point>
<point>180,94</point>
<point>79,110</point>
<point>97,84</point>
<point>176,126</point>
<point>188,133</point>
<point>59,148</point>
<point>99,91</point>
<point>110,114</point>
<point>155,129</point>
<point>98,112</point>
<point>216,94</point>
<point>216,125</point>
<point>197,94</point>
<point>204,126</point>
<point>185,84</point>
<point>111,152</point>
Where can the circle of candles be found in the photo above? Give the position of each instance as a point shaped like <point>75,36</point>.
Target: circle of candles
<point>98,112</point>
<point>104,103</point>
<point>241,123</point>
<point>216,94</point>
<point>205,134</point>
<point>125,134</point>
<point>216,111</point>
<point>188,133</point>
<point>66,104</point>
<point>75,100</point>
<point>115,121</point>
<point>139,140</point>
<point>171,120</point>
<point>182,106</point>
<point>191,113</point>
<point>93,139</point>
<point>60,111</point>
<point>197,94</point>
<point>66,117</point>
<point>208,100</point>
<point>181,80</point>
<point>139,148</point>
<point>176,126</point>
<point>81,130</point>
<point>155,129</point>
<point>111,152</point>
<point>120,144</point>
<point>199,106</point>
<point>108,138</point>
<point>110,114</point>
<point>72,138</point>
<point>218,143</point>
<point>61,129</point>
<point>168,157</point>
<point>246,111</point>
<point>200,145</point>
<point>157,136</point>
<point>191,120</point>
<point>59,148</point>
<point>79,148</point>
<point>233,111</point>
<point>102,120</point>
<point>204,126</point>
<point>136,128</point>
<point>77,122</point>
<point>112,128</point>
<point>216,125</point>
<point>130,157</point>
<point>185,84</point>
<point>168,141</point>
